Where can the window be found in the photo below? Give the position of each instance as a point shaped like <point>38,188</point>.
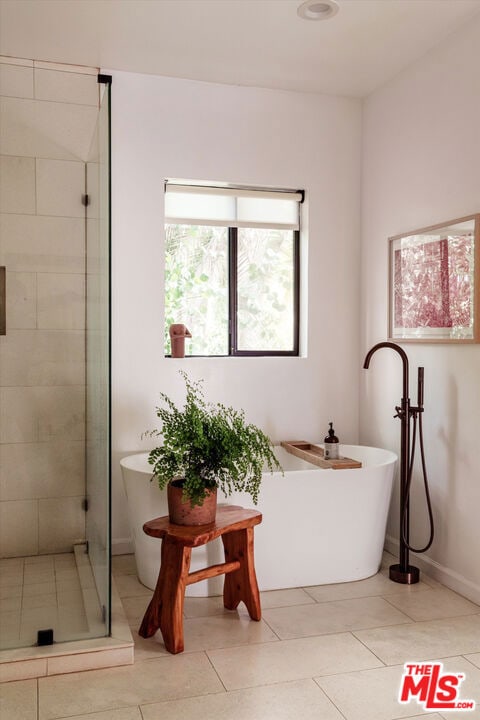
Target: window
<point>232,269</point>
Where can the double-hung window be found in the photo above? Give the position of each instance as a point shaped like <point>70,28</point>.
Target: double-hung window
<point>232,268</point>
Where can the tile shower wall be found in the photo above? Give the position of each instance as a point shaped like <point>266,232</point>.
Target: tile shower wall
<point>48,115</point>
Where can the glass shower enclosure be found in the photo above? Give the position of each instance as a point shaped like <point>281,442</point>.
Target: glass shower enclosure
<point>55,359</point>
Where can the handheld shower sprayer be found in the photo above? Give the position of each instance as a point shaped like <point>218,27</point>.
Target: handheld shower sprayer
<point>417,415</point>
<point>403,572</point>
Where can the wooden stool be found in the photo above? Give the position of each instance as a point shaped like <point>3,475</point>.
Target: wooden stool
<point>234,525</point>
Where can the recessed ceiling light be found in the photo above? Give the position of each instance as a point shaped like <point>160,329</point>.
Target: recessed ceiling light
<point>317,9</point>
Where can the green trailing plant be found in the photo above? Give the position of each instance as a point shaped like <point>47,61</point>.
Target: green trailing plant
<point>209,445</point>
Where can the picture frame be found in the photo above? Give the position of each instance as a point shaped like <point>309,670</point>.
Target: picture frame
<point>434,283</point>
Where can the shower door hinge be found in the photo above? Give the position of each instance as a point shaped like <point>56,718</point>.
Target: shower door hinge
<point>85,504</point>
<point>86,200</point>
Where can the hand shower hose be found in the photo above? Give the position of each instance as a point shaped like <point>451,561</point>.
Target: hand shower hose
<point>418,412</point>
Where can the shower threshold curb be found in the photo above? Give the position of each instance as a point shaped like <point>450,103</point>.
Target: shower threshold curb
<point>75,656</point>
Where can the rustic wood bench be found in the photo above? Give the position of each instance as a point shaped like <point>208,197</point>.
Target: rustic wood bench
<point>234,525</point>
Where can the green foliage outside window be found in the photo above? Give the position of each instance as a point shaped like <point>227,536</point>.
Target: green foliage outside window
<point>196,288</point>
<point>265,289</point>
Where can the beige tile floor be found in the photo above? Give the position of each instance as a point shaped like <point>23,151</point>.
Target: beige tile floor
<point>331,652</point>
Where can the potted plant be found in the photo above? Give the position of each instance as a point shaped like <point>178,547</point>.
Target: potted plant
<point>206,446</point>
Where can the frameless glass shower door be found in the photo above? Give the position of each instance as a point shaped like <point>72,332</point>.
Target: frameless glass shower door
<point>97,397</point>
<point>54,355</point>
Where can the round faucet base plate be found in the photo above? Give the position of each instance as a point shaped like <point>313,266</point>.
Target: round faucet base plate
<point>407,577</point>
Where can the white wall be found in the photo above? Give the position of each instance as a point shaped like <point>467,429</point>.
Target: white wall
<point>166,127</point>
<point>421,164</point>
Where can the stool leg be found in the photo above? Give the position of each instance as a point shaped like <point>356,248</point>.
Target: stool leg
<point>242,583</point>
<point>165,610</point>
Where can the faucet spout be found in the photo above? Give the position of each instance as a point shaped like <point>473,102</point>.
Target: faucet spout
<point>402,354</point>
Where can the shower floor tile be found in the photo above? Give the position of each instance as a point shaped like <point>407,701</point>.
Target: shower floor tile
<point>39,593</point>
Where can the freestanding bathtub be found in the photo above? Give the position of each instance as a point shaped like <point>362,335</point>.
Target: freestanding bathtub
<point>319,526</point>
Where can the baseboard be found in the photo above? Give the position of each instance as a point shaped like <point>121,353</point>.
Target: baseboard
<point>435,570</point>
<point>122,546</point>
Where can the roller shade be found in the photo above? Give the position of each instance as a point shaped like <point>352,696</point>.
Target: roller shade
<point>234,207</point>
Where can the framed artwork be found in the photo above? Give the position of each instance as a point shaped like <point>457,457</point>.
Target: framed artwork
<point>434,283</point>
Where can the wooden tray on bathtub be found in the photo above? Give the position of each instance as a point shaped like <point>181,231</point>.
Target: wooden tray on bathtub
<point>314,454</point>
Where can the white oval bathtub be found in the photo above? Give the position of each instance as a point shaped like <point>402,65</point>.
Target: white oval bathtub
<point>319,526</point>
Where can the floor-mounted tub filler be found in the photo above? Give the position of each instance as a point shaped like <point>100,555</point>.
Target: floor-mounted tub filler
<point>319,525</point>
<point>403,572</point>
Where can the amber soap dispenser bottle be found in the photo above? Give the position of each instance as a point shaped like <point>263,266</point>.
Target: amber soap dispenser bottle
<point>331,445</point>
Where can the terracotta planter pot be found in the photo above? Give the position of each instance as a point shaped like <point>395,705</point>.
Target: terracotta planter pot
<point>182,513</point>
